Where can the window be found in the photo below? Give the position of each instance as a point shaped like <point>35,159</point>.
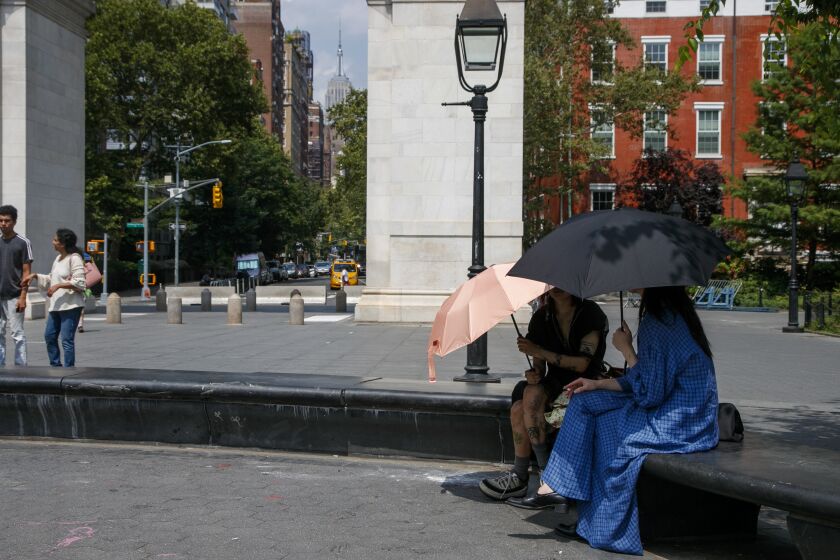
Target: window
<point>773,56</point>
<point>656,52</point>
<point>704,4</point>
<point>655,135</point>
<point>708,129</point>
<point>603,60</point>
<point>773,115</point>
<point>770,6</point>
<point>603,132</point>
<point>709,56</point>
<point>602,196</point>
<point>655,6</point>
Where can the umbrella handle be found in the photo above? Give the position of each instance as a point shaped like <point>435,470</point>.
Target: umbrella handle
<point>530,366</point>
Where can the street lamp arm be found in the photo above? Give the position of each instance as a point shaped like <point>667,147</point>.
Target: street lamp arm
<point>180,153</point>
<point>170,199</point>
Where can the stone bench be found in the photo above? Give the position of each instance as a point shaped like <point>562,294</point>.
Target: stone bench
<point>316,295</point>
<point>720,491</point>
<point>191,295</point>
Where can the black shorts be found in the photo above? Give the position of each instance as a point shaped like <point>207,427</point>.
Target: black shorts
<point>551,384</point>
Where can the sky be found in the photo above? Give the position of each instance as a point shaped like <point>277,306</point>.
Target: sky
<point>320,18</point>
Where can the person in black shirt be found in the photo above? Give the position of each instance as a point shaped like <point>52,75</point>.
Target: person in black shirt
<point>567,340</point>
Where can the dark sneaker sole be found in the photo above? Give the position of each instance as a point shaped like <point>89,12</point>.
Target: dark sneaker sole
<point>496,495</point>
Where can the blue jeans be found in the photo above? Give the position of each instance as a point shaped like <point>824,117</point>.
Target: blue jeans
<point>63,323</point>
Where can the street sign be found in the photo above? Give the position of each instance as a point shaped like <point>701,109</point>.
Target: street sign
<point>182,227</point>
<point>134,225</point>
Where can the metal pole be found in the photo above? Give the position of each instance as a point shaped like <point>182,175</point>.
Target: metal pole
<point>793,286</point>
<point>476,368</point>
<point>104,297</point>
<point>177,211</point>
<point>144,296</point>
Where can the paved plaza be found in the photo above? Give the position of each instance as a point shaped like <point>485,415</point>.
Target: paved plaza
<point>97,500</point>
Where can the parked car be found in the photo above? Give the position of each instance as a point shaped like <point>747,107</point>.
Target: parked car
<point>322,268</point>
<point>336,270</point>
<point>278,272</point>
<point>291,270</point>
<point>253,265</point>
<point>303,271</point>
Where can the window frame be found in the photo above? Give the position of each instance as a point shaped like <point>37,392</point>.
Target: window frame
<point>664,5</point>
<point>706,106</point>
<point>664,130</point>
<point>712,39</point>
<point>600,188</point>
<point>765,40</point>
<point>593,109</point>
<point>655,40</point>
<point>592,79</point>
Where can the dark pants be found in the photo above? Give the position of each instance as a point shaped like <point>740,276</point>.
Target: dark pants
<point>63,323</point>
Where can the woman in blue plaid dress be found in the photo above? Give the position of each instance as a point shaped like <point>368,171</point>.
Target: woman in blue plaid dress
<point>665,403</point>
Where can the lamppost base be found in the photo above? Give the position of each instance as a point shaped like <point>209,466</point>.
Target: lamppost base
<point>478,378</point>
<point>793,329</point>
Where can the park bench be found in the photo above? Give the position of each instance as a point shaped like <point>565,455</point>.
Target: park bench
<point>720,492</point>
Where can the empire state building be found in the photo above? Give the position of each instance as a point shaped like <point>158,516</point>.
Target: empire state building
<point>339,85</point>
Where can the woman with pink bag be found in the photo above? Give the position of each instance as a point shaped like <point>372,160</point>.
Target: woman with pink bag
<point>92,278</point>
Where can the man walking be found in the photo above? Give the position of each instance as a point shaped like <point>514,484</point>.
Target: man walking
<point>15,263</point>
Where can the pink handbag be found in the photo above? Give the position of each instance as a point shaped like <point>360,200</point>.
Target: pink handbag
<point>92,274</point>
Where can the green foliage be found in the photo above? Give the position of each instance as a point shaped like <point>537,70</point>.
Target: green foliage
<point>562,39</point>
<point>346,203</point>
<point>802,96</point>
<point>659,178</point>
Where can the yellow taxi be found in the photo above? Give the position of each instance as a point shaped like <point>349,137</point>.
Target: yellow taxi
<point>337,271</point>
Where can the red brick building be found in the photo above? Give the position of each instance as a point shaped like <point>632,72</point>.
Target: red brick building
<point>710,123</point>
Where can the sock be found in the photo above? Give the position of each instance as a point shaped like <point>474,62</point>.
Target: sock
<point>541,451</point>
<point>520,467</point>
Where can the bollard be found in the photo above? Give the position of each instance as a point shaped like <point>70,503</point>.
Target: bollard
<point>296,308</point>
<point>251,300</point>
<point>234,310</point>
<point>821,315</point>
<point>113,309</point>
<point>206,300</point>
<point>341,301</point>
<point>160,299</point>
<point>806,306</point>
<point>173,311</point>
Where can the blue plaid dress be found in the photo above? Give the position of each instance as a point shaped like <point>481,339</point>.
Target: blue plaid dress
<point>668,405</point>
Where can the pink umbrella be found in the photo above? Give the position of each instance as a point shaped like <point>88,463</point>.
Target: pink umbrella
<point>477,306</point>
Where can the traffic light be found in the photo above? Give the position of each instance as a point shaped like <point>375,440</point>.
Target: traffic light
<point>218,199</point>
<point>139,246</point>
<point>95,246</point>
<point>152,279</point>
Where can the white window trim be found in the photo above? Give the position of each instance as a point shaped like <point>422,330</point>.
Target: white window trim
<point>644,129</point>
<point>592,77</point>
<point>600,187</point>
<point>660,14</point>
<point>592,135</point>
<point>656,40</point>
<point>708,106</point>
<point>764,38</point>
<point>712,39</point>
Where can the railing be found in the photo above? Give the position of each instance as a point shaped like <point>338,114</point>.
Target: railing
<point>717,294</point>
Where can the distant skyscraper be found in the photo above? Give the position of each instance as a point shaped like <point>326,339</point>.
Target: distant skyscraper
<point>339,85</point>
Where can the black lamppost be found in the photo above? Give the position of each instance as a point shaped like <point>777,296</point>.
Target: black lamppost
<point>795,179</point>
<point>675,209</point>
<point>480,41</point>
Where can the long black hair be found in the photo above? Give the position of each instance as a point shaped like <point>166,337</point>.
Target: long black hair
<point>673,299</point>
<point>67,238</point>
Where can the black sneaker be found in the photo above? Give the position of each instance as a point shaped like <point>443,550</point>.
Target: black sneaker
<point>509,485</point>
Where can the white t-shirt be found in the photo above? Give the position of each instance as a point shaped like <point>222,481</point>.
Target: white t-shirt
<point>69,269</point>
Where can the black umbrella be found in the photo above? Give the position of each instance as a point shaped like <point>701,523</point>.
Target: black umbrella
<point>617,250</point>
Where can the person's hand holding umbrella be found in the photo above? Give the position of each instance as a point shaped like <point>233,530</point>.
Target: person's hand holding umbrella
<point>623,341</point>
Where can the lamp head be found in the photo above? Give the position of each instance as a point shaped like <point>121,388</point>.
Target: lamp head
<point>795,179</point>
<point>480,40</point>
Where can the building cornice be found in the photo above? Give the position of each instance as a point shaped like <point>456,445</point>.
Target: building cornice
<point>70,14</point>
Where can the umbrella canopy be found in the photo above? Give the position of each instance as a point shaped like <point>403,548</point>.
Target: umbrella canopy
<point>617,250</point>
<point>476,307</point>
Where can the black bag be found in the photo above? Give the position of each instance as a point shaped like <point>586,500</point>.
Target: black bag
<point>729,423</point>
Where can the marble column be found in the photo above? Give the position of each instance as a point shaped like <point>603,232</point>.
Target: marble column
<point>420,159</point>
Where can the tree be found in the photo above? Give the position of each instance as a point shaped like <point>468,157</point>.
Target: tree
<point>798,117</point>
<point>659,178</point>
<point>347,202</point>
<point>566,44</point>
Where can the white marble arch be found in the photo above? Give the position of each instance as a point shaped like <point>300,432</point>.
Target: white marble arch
<point>42,118</point>
<point>420,159</point>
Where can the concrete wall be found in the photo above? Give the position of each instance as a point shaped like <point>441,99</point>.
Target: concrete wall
<point>42,86</point>
<point>420,158</point>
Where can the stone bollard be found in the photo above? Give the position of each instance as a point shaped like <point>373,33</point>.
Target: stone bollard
<point>234,310</point>
<point>251,300</point>
<point>206,300</point>
<point>341,301</point>
<point>173,311</point>
<point>296,308</point>
<point>160,299</point>
<point>90,304</point>
<point>113,309</point>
